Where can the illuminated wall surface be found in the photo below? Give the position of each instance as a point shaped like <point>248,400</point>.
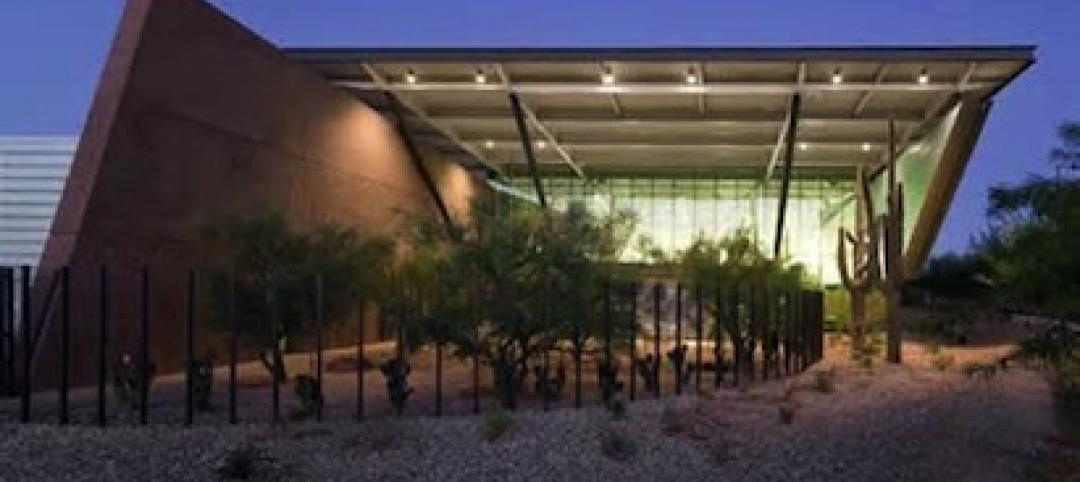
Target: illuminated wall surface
<point>672,211</point>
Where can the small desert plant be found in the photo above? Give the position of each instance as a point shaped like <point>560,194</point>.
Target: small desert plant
<point>608,372</point>
<point>649,372</point>
<point>671,421</point>
<point>242,462</point>
<point>496,424</point>
<point>786,411</point>
<point>309,393</point>
<point>984,371</point>
<point>617,445</point>
<point>942,361</point>
<point>824,380</point>
<point>202,383</point>
<point>396,371</point>
<point>507,380</point>
<point>677,357</point>
<point>128,379</point>
<point>550,388</point>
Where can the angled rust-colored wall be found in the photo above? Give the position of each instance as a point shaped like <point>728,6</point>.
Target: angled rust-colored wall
<point>195,119</point>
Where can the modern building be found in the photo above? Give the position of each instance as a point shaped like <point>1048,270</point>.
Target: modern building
<point>196,118</point>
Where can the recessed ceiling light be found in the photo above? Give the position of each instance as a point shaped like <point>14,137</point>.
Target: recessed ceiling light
<point>480,77</point>
<point>607,77</point>
<point>803,146</point>
<point>837,77</point>
<point>541,144</point>
<point>489,144</point>
<point>410,76</point>
<point>924,77</point>
<point>866,146</point>
<point>691,76</point>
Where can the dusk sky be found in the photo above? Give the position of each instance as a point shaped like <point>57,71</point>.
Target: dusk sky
<point>52,52</point>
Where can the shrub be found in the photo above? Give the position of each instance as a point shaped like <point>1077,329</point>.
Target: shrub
<point>824,380</point>
<point>396,371</point>
<point>617,445</point>
<point>242,462</point>
<point>128,379</point>
<point>496,424</point>
<point>310,395</point>
<point>942,362</point>
<point>786,411</point>
<point>671,421</point>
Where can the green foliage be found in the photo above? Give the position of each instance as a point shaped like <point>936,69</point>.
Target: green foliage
<point>396,371</point>
<point>617,444</point>
<point>496,424</point>
<point>202,383</point>
<point>274,267</point>
<point>953,276</point>
<point>242,463</point>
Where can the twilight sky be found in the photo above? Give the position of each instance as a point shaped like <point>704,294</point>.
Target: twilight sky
<point>52,51</point>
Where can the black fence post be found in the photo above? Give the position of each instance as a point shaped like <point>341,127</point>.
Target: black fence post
<point>738,343</point>
<point>718,313</point>
<point>633,339</point>
<point>438,377</point>
<point>544,359</point>
<point>27,354</point>
<point>103,342</point>
<point>189,363</point>
<point>275,387</point>
<point>65,341</point>
<point>700,337</point>
<point>578,342</point>
<point>656,338</point>
<point>144,347</point>
<point>319,346</point>
<point>360,316</point>
<point>233,335</point>
<point>678,337</point>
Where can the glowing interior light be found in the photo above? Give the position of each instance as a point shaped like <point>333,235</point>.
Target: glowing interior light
<point>924,77</point>
<point>607,78</point>
<point>410,77</point>
<point>541,144</point>
<point>803,146</point>
<point>837,77</point>
<point>866,146</point>
<point>489,144</point>
<point>480,77</point>
<point>691,77</point>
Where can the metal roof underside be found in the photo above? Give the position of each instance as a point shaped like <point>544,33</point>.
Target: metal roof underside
<point>669,109</point>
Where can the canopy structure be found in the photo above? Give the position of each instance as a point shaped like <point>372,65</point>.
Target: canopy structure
<point>764,114</point>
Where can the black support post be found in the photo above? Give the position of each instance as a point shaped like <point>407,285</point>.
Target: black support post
<point>233,336</point>
<point>526,145</point>
<point>103,342</point>
<point>577,355</point>
<point>144,347</point>
<point>27,348</point>
<point>785,183</point>
<point>319,346</point>
<point>360,316</point>
<point>65,341</point>
<point>656,337</point>
<point>718,321</point>
<point>189,358</point>
<point>633,339</point>
<point>275,387</point>
<point>700,337</point>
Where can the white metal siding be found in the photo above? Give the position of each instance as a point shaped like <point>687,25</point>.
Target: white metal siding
<point>32,175</point>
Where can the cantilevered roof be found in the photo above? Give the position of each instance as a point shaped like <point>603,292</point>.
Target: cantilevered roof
<point>626,109</point>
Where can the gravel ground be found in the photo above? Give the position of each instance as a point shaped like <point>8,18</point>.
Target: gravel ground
<point>910,422</point>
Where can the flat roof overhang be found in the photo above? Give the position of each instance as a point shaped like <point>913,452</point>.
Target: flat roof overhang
<point>692,110</point>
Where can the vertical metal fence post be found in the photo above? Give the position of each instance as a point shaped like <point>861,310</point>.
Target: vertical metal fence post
<point>700,338</point>
<point>144,347</point>
<point>27,349</point>
<point>633,340</point>
<point>718,315</point>
<point>189,358</point>
<point>103,342</point>
<point>233,335</point>
<point>360,316</point>
<point>275,387</point>
<point>544,356</point>
<point>738,344</point>
<point>319,346</point>
<point>656,338</point>
<point>7,329</point>
<point>678,337</point>
<point>477,311</point>
<point>65,341</point>
<point>578,342</point>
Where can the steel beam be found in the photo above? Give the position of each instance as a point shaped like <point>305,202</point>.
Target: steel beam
<point>526,144</point>
<point>785,184</point>
<point>418,162</point>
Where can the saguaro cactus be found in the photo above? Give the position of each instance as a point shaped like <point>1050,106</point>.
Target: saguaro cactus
<point>863,273</point>
<point>892,278</point>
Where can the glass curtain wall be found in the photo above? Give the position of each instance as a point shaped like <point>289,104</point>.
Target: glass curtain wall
<point>671,212</point>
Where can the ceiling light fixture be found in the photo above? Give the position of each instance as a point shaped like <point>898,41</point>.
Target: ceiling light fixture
<point>866,146</point>
<point>541,144</point>
<point>489,144</point>
<point>410,76</point>
<point>803,146</point>
<point>480,77</point>
<point>924,77</point>
<point>837,77</point>
<point>691,77</point>
<point>607,77</point>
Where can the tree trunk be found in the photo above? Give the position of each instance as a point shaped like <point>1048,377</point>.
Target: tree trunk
<point>892,320</point>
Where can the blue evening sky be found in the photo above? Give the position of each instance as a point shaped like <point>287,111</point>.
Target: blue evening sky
<point>51,51</point>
